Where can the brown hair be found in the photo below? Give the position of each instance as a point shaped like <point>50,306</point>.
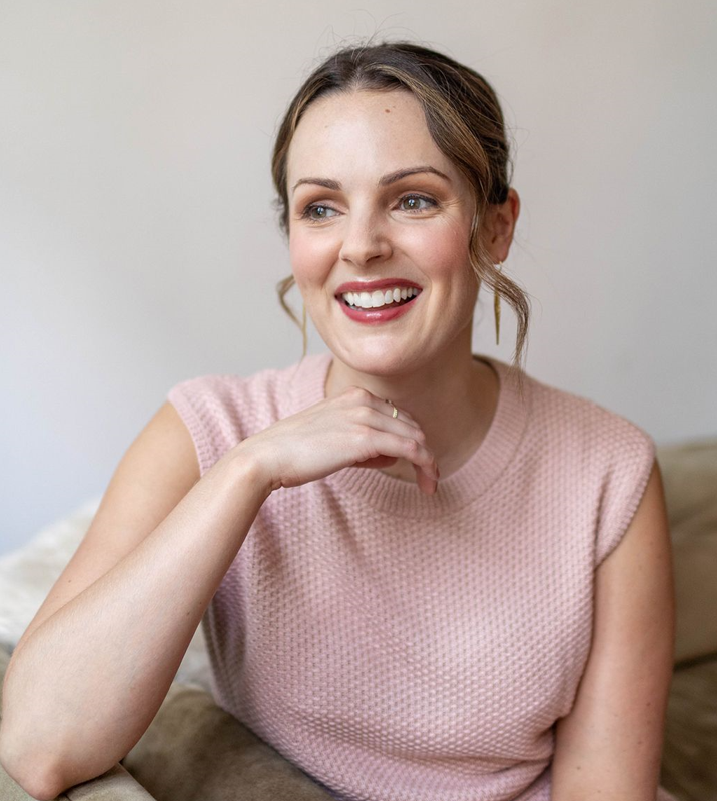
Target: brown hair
<point>464,119</point>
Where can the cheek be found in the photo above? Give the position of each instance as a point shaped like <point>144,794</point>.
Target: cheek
<point>310,256</point>
<point>442,250</point>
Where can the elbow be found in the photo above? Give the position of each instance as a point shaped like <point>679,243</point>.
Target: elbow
<point>38,780</point>
<point>41,772</point>
<point>41,790</point>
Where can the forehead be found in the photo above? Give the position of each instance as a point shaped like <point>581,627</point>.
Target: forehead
<point>362,133</point>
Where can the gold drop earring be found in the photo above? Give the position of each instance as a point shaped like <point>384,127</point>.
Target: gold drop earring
<point>496,306</point>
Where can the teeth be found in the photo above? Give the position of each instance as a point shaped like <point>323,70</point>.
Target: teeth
<point>381,297</point>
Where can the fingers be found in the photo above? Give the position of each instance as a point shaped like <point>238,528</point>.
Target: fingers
<point>425,483</point>
<point>414,451</point>
<point>398,414</point>
<point>393,406</point>
<point>361,397</point>
<point>377,418</point>
<point>400,435</point>
<point>426,475</point>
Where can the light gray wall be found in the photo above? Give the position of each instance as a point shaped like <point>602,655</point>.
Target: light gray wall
<point>138,245</point>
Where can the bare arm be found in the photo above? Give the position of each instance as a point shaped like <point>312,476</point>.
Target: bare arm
<point>91,671</point>
<point>93,667</point>
<point>610,745</point>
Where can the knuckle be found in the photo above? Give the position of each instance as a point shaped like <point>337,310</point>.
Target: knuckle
<point>413,447</point>
<point>364,414</point>
<point>359,393</point>
<point>363,431</point>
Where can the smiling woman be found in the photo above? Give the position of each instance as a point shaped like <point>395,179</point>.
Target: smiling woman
<point>385,224</point>
<point>422,573</point>
<point>417,97</point>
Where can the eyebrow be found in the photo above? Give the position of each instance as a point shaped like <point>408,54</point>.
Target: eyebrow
<point>391,178</point>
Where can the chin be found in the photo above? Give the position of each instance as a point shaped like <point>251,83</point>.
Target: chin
<point>378,362</point>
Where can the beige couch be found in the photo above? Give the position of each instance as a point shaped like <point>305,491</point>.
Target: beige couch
<point>193,751</point>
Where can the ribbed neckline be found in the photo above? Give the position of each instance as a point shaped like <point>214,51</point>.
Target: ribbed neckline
<point>464,486</point>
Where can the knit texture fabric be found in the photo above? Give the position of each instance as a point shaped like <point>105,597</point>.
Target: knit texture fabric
<point>397,646</point>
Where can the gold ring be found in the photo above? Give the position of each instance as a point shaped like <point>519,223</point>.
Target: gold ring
<point>395,410</point>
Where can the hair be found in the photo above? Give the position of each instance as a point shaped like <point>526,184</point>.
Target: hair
<point>464,118</point>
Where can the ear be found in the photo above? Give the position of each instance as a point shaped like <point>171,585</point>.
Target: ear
<point>500,225</point>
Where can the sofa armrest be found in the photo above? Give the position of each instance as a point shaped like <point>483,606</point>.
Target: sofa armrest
<point>115,785</point>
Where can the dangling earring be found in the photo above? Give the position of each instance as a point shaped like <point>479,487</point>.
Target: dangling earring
<point>496,307</point>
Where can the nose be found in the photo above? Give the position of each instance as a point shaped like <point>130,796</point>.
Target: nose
<point>366,239</point>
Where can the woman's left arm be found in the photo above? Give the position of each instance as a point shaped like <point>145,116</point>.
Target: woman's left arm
<point>610,744</point>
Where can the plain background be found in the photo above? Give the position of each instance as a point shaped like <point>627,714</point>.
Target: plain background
<point>139,247</point>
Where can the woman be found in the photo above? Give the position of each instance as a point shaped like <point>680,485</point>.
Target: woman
<point>407,553</point>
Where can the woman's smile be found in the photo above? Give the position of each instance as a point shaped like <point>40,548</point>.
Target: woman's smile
<point>379,306</point>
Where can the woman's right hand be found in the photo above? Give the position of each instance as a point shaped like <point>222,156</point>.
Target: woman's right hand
<point>353,429</point>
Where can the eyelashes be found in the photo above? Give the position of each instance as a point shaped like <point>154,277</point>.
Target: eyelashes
<point>432,203</point>
<point>307,212</point>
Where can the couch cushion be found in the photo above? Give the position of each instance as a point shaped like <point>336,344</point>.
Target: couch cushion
<point>195,751</point>
<point>689,759</point>
<point>689,472</point>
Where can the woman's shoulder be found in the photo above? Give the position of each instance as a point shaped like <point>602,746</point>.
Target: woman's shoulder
<point>232,389</point>
<point>221,409</point>
<point>572,419</point>
<point>594,457</point>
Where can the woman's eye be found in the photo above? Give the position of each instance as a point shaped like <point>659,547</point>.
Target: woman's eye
<point>413,203</point>
<point>317,212</point>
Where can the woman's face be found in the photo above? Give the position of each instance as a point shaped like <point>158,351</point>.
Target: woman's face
<point>372,198</point>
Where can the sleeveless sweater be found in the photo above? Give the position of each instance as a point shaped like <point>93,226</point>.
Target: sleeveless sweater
<point>396,646</point>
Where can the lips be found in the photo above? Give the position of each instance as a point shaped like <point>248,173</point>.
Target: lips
<point>380,314</point>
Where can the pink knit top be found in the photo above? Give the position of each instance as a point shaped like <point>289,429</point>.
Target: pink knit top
<point>397,646</point>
